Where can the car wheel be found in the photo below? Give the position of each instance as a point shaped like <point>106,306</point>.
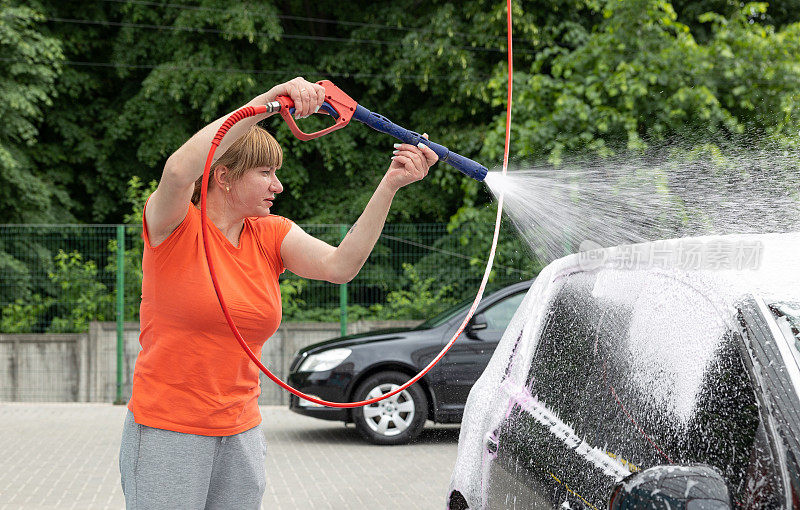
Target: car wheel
<point>395,420</point>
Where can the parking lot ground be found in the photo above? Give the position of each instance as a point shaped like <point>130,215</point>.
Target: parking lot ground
<point>62,456</point>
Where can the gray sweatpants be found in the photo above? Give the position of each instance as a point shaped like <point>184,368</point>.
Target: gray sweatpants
<point>163,469</point>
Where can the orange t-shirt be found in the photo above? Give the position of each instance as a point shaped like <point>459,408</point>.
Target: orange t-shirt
<point>191,375</point>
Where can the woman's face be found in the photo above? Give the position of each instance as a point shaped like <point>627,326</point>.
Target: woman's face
<point>255,191</point>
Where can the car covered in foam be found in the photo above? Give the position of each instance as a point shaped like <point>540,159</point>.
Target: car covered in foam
<point>657,375</point>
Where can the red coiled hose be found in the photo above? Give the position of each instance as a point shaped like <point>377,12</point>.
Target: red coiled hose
<point>249,111</point>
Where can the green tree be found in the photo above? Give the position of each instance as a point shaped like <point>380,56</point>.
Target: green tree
<point>598,76</point>
<point>640,77</point>
<point>134,79</point>
<point>28,71</point>
<point>29,68</point>
<point>142,78</point>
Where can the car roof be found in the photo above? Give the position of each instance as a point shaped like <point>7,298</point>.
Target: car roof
<point>735,265</point>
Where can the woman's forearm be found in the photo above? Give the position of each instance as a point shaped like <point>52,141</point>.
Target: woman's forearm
<point>185,166</point>
<point>351,254</point>
<point>409,164</point>
<point>188,161</point>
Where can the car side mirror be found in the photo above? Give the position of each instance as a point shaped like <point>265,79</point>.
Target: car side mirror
<point>475,324</point>
<point>693,487</point>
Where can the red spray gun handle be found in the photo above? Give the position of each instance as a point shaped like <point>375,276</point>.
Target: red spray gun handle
<point>337,104</point>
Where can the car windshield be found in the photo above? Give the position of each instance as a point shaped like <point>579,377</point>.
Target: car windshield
<point>787,315</point>
<point>461,309</point>
<point>448,314</point>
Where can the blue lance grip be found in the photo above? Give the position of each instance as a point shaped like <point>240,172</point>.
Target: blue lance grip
<point>380,123</point>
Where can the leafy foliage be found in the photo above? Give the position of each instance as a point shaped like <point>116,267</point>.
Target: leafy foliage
<point>640,76</point>
<point>135,79</point>
<point>29,69</point>
<point>424,298</point>
<point>95,96</point>
<point>88,299</point>
<point>22,315</point>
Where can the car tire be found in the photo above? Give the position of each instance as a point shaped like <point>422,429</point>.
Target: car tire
<point>395,420</point>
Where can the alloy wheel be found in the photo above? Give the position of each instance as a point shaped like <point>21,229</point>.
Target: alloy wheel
<point>391,416</point>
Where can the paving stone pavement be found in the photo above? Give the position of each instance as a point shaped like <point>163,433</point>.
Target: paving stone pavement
<point>63,456</point>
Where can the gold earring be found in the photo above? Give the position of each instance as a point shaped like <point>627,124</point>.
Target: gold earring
<point>227,188</point>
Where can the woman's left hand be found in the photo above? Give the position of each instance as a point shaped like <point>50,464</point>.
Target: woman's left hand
<point>409,164</point>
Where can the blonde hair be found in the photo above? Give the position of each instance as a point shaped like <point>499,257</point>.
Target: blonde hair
<point>254,149</point>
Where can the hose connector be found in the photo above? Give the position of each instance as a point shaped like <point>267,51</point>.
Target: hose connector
<point>273,106</point>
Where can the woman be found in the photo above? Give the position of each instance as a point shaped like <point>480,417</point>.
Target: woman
<point>192,437</point>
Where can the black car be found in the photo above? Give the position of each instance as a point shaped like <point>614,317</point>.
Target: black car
<point>360,367</point>
<point>625,385</point>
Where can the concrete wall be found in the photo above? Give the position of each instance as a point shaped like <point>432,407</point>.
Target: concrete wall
<point>47,367</point>
<point>83,367</point>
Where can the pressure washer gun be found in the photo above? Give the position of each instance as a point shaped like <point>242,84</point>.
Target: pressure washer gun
<point>342,108</point>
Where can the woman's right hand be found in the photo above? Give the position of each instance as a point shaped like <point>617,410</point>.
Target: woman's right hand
<point>308,97</point>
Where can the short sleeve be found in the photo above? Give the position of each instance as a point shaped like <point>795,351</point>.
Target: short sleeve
<point>271,231</point>
<point>184,225</point>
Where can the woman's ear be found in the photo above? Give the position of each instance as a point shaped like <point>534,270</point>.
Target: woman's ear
<point>221,177</point>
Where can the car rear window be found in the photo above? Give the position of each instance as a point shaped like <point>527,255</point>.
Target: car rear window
<point>643,365</point>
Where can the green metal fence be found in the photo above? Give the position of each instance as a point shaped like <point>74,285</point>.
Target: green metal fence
<point>58,278</point>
